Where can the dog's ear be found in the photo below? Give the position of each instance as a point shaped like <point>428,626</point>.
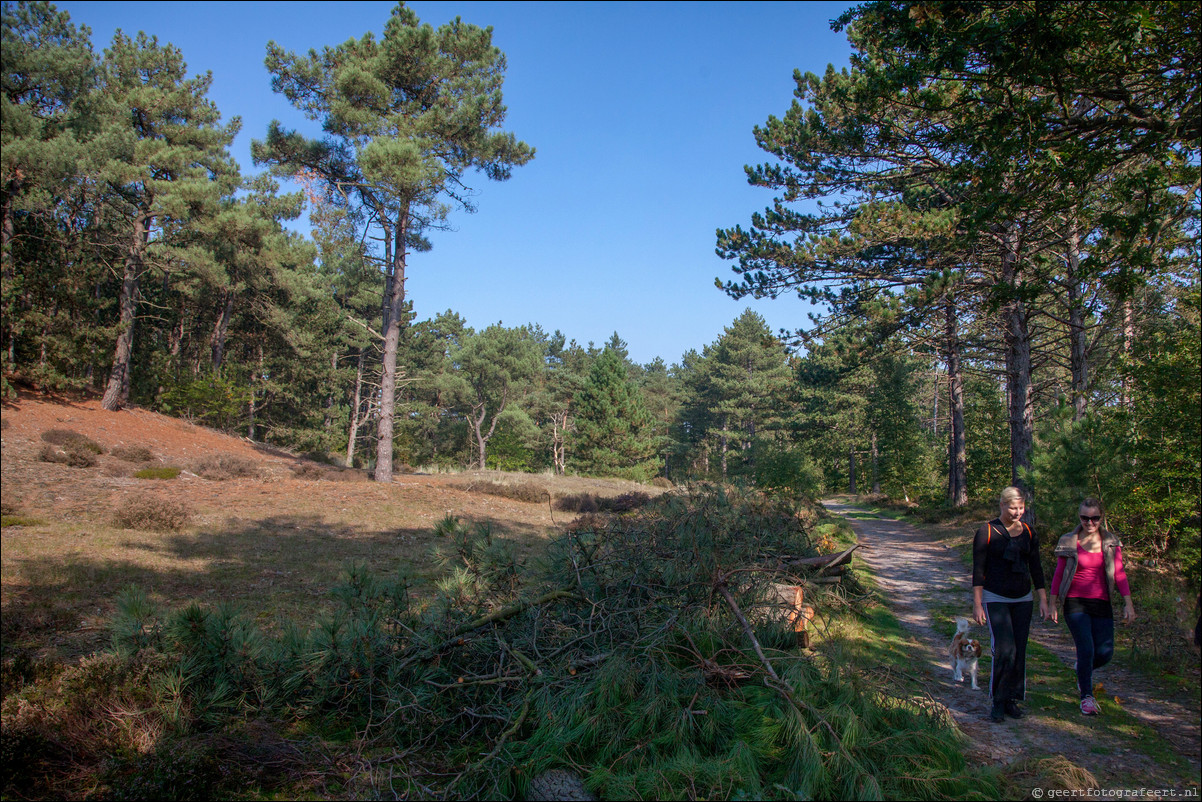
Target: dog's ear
<point>976,648</point>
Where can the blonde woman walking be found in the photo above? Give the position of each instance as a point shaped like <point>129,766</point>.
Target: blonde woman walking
<point>1005,567</point>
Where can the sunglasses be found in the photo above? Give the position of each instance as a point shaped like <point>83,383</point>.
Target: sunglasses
<point>1091,519</point>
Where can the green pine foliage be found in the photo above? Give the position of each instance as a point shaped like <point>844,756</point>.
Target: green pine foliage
<point>615,436</point>
<point>614,656</point>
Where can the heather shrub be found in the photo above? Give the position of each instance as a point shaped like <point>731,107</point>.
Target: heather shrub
<point>226,466</point>
<point>72,441</point>
<point>58,719</point>
<point>152,514</point>
<point>663,482</point>
<point>67,456</point>
<point>577,502</point>
<point>308,470</point>
<point>133,453</point>
<point>518,491</point>
<point>624,502</point>
<point>157,473</point>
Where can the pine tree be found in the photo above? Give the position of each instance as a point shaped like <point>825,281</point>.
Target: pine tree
<point>408,116</point>
<point>496,366</point>
<point>165,164</point>
<point>614,433</point>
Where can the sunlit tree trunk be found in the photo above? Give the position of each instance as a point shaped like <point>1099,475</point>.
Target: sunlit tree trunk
<point>116,393</point>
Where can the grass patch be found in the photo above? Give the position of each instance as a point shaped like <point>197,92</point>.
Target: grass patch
<point>157,473</point>
<point>1051,688</point>
<point>18,520</point>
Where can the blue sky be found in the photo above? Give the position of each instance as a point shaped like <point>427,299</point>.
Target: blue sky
<point>641,115</point>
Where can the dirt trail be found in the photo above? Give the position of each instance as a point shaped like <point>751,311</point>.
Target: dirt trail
<point>922,577</point>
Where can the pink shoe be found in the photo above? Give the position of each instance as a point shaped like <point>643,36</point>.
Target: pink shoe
<point>1089,706</point>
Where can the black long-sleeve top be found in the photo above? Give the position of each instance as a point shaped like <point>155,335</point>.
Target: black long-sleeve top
<point>1004,564</point>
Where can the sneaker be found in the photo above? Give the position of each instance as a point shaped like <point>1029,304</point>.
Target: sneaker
<point>998,714</point>
<point>1013,710</point>
<point>1089,706</point>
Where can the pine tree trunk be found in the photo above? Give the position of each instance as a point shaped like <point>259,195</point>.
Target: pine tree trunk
<point>724,447</point>
<point>935,402</point>
<point>220,328</point>
<point>1017,338</point>
<point>116,393</point>
<point>6,231</point>
<point>481,442</point>
<point>328,422</point>
<point>1078,362</point>
<point>957,452</point>
<point>257,377</point>
<point>353,434</point>
<point>876,467</point>
<point>1128,339</point>
<point>394,306</point>
<point>559,426</point>
<point>851,470</point>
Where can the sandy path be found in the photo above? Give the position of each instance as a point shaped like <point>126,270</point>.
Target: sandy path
<point>919,574</point>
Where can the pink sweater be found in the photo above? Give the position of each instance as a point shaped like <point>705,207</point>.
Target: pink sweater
<point>1090,580</point>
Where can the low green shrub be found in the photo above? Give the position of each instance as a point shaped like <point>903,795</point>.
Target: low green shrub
<point>152,514</point>
<point>158,473</point>
<point>226,466</point>
<point>133,453</point>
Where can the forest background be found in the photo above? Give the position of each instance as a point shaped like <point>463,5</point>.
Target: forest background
<point>993,208</point>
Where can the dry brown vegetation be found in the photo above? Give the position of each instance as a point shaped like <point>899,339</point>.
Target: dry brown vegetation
<point>152,514</point>
<point>275,542</point>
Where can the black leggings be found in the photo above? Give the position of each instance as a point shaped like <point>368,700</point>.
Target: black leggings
<point>1009,625</point>
<point>1092,623</point>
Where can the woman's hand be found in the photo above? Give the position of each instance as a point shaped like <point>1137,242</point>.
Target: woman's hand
<point>1055,612</point>
<point>978,614</point>
<point>1128,610</point>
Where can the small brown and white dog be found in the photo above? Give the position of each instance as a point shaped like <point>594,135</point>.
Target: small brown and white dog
<point>965,653</point>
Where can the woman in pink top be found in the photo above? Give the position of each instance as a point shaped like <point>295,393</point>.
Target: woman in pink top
<point>1089,563</point>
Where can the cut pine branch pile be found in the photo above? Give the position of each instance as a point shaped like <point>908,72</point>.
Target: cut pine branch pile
<point>650,652</point>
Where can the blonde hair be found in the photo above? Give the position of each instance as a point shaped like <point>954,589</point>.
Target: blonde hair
<point>1091,503</point>
<point>1012,494</point>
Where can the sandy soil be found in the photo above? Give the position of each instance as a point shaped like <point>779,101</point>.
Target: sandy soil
<point>920,575</point>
